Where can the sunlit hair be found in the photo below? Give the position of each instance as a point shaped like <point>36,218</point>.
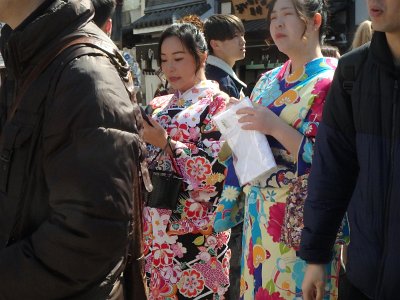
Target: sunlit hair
<point>363,34</point>
<point>306,9</point>
<point>190,36</point>
<point>193,19</point>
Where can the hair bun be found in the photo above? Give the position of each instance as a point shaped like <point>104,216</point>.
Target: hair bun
<point>194,20</point>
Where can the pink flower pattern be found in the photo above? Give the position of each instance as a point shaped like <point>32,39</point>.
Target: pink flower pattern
<point>198,168</point>
<point>276,213</point>
<point>191,283</point>
<point>263,294</point>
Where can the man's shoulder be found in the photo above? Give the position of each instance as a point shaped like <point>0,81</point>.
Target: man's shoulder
<point>212,70</point>
<point>355,54</point>
<point>218,74</point>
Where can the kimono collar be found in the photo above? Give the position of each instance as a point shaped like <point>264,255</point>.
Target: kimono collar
<point>313,67</point>
<point>201,90</point>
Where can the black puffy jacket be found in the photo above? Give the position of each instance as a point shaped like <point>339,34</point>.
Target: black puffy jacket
<point>356,166</point>
<point>66,185</point>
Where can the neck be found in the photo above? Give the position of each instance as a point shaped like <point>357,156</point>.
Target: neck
<point>200,76</point>
<point>17,11</point>
<point>393,40</point>
<point>231,62</point>
<point>300,59</point>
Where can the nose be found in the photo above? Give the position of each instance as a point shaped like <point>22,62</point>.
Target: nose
<point>168,67</point>
<point>278,22</point>
<point>242,40</point>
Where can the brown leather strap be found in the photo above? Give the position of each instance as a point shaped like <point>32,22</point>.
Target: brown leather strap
<point>35,73</point>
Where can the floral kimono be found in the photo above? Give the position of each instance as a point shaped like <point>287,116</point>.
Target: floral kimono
<point>185,258</point>
<point>270,269</point>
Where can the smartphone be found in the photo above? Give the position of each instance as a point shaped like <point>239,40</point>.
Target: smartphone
<point>145,116</point>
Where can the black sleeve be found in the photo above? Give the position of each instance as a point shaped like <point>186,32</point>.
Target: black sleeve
<point>333,175</point>
<point>87,164</point>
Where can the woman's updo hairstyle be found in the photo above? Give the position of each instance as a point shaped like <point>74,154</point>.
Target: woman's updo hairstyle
<point>306,9</point>
<point>191,37</point>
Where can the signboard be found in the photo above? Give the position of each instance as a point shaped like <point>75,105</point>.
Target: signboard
<point>250,9</point>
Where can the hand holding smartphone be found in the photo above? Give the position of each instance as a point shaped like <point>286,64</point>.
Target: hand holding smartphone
<point>145,116</point>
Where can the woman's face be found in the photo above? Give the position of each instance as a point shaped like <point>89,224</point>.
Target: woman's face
<point>178,64</point>
<point>286,27</point>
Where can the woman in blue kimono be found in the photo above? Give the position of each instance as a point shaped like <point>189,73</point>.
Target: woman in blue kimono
<point>288,103</point>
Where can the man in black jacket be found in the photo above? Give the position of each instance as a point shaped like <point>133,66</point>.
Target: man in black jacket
<point>68,157</point>
<point>356,166</point>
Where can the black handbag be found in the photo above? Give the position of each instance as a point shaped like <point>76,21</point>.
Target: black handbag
<point>167,185</point>
<point>166,189</point>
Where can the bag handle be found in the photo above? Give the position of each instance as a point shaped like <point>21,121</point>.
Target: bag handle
<point>35,73</point>
<point>172,157</point>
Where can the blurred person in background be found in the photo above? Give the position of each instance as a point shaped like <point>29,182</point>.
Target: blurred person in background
<point>363,34</point>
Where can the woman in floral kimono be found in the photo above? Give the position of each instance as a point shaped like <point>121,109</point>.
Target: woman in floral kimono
<point>288,107</point>
<point>185,258</point>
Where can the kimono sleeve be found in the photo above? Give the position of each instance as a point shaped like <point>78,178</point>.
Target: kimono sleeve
<point>310,125</point>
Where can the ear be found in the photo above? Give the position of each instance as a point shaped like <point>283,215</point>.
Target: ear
<point>203,59</point>
<point>107,27</point>
<point>317,21</point>
<point>215,44</point>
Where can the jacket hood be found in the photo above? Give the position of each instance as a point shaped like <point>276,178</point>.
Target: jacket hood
<point>23,46</point>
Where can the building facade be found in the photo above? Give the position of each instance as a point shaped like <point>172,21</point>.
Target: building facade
<point>144,20</point>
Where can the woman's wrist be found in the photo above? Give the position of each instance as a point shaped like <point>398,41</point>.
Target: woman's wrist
<point>275,127</point>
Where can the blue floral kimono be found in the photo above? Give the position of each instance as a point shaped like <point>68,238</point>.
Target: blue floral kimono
<point>270,269</point>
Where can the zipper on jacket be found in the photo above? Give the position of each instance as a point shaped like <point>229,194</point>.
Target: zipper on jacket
<point>386,203</point>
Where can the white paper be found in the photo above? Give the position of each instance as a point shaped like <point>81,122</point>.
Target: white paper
<point>252,153</point>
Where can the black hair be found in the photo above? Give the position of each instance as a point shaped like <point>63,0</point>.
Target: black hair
<point>103,9</point>
<point>307,9</point>
<point>221,28</point>
<point>330,51</point>
<point>190,36</point>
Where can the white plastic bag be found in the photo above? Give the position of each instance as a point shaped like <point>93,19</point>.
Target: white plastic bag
<point>251,151</point>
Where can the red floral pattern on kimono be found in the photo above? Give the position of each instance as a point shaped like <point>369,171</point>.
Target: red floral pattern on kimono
<point>185,258</point>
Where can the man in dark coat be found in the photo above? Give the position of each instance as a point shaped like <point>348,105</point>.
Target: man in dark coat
<point>68,158</point>
<point>356,166</point>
